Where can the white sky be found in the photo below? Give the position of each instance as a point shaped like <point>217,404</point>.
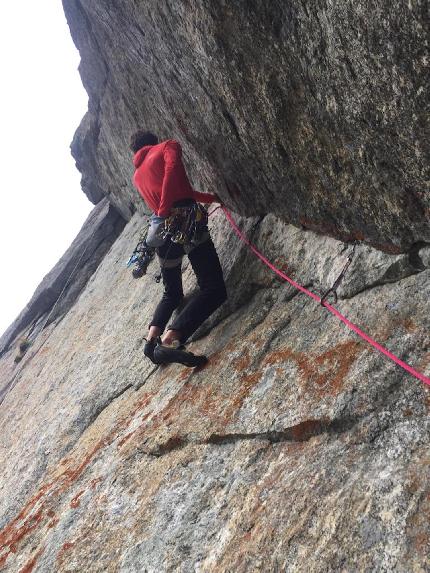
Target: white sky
<point>41,104</point>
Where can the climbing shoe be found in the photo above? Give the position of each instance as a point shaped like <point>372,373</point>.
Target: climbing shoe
<point>169,354</point>
<point>148,349</point>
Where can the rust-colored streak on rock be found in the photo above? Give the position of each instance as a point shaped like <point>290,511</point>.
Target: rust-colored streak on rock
<point>76,500</point>
<point>53,523</point>
<point>15,535</point>
<point>334,365</point>
<point>396,323</point>
<point>14,532</point>
<point>12,537</point>
<point>64,549</point>
<point>187,394</point>
<point>66,546</point>
<point>29,566</point>
<point>95,482</point>
<point>243,362</point>
<point>30,505</point>
<point>409,325</point>
<point>325,372</point>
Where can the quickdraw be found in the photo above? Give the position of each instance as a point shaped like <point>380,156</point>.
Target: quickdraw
<point>332,289</point>
<point>141,256</point>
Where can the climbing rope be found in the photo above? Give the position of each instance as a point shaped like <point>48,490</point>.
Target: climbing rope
<point>320,300</point>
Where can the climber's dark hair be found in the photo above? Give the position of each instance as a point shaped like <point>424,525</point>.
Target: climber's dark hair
<point>141,138</point>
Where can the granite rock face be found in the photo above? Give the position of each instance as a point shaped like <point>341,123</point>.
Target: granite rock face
<point>312,110</point>
<point>298,447</point>
<point>70,275</point>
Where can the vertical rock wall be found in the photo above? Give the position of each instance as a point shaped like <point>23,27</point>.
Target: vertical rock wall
<point>314,110</point>
<point>298,447</point>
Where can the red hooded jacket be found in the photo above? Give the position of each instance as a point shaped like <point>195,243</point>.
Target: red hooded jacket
<point>161,179</point>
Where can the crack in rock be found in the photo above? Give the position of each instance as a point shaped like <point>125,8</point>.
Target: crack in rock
<point>98,411</point>
<point>145,380</point>
<point>301,432</point>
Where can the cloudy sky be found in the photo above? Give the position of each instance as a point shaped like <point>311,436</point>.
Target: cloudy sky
<point>42,101</point>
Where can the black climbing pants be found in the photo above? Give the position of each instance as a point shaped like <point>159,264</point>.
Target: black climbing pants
<point>212,292</point>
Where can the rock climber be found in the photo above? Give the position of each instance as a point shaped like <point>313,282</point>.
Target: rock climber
<point>162,181</point>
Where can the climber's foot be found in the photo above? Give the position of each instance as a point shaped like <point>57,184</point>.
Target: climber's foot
<point>148,349</point>
<point>169,354</point>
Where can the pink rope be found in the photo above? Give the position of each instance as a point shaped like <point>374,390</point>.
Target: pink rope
<point>333,310</point>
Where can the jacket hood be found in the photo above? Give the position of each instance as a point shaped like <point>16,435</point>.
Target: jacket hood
<point>140,155</point>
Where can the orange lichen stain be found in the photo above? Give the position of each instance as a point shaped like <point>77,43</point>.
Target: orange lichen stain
<point>243,362</point>
<point>29,566</point>
<point>216,409</point>
<point>75,501</point>
<point>409,325</point>
<point>335,364</point>
<point>30,505</point>
<point>325,371</point>
<point>126,438</point>
<point>95,482</point>
<point>53,523</point>
<point>15,530</point>
<point>417,523</point>
<point>50,513</point>
<point>30,524</point>
<point>64,549</point>
<point>184,375</point>
<point>421,543</point>
<point>71,475</point>
<point>68,545</point>
<point>385,331</point>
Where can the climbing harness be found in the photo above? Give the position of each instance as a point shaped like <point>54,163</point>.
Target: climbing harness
<point>186,225</point>
<point>141,256</point>
<point>333,289</point>
<point>330,308</point>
